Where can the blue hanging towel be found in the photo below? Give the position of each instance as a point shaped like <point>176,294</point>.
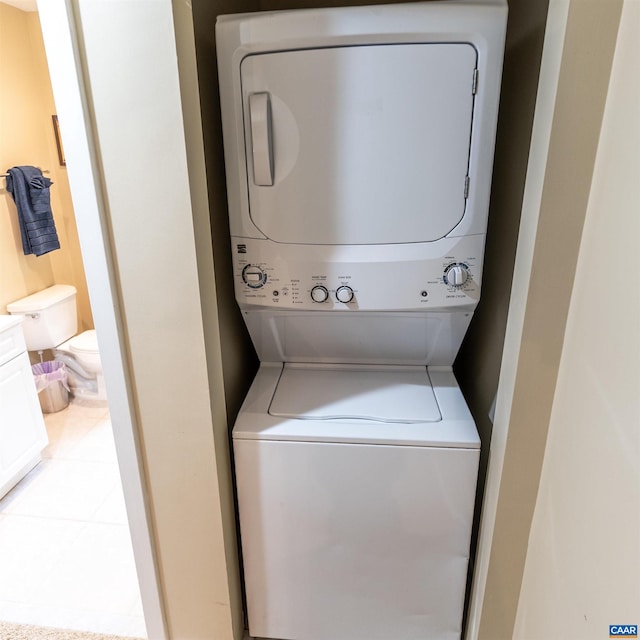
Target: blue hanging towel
<point>30,191</point>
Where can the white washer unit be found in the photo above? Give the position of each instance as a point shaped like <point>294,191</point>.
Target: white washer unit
<point>358,147</point>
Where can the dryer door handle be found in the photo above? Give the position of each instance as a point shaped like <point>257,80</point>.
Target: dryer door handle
<point>261,139</point>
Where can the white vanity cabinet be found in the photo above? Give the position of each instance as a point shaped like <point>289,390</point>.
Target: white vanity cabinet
<point>22,431</point>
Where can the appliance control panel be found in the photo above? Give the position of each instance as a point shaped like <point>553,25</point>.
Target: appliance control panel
<point>436,275</point>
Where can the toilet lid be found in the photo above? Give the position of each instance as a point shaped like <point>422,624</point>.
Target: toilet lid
<point>85,342</point>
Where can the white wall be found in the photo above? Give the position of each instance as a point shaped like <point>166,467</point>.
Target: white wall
<point>140,133</point>
<point>138,216</point>
<point>582,567</point>
<point>578,53</point>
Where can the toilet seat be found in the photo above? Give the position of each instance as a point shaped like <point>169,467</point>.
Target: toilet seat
<point>84,347</point>
<point>84,343</point>
<point>82,357</point>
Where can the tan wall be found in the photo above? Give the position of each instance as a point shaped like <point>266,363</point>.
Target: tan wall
<point>581,571</point>
<point>27,138</point>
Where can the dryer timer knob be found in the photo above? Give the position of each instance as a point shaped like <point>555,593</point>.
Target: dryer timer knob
<point>456,275</point>
<point>254,276</point>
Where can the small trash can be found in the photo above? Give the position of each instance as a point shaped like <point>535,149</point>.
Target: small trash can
<point>52,385</point>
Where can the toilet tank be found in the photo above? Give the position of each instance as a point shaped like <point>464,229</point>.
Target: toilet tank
<point>50,316</point>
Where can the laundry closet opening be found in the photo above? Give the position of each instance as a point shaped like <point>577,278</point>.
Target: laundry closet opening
<point>478,363</point>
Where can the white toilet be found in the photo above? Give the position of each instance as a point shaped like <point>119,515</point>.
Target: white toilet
<point>50,322</point>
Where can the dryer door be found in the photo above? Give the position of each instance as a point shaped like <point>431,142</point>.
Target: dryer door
<point>360,144</point>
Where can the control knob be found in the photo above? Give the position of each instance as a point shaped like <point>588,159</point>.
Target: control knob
<point>319,294</point>
<point>456,275</point>
<point>344,294</point>
<point>253,276</point>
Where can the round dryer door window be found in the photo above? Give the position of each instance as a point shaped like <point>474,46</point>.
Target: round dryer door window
<point>359,144</point>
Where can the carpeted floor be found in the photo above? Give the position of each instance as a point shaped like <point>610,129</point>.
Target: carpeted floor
<point>13,631</point>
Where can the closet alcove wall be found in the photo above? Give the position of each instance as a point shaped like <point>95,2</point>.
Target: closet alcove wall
<point>477,367</point>
<point>478,363</point>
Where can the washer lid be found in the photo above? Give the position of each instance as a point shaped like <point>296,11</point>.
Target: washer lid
<point>379,394</point>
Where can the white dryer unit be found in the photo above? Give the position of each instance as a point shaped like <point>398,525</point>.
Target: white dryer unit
<point>358,149</point>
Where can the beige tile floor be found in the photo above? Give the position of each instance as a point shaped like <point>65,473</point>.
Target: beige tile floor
<point>65,552</point>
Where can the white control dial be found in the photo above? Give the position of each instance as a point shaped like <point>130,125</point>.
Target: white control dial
<point>253,276</point>
<point>456,275</point>
<point>319,294</point>
<point>344,294</point>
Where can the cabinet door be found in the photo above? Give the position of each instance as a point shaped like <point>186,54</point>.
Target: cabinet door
<point>22,430</point>
<point>360,144</point>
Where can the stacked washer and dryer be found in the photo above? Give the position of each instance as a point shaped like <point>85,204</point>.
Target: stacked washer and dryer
<point>358,147</point>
